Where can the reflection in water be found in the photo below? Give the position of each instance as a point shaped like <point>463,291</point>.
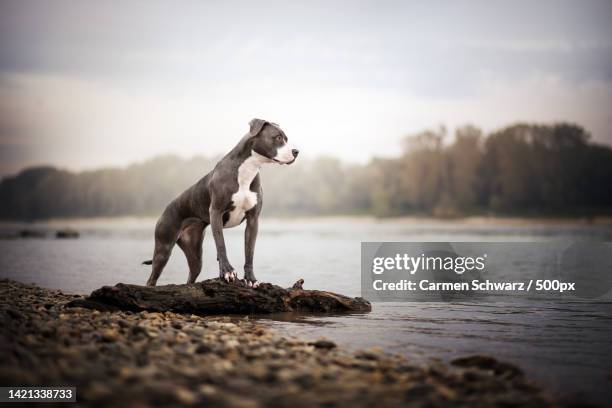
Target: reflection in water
<point>565,345</point>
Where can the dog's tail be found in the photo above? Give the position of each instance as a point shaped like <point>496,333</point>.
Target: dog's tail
<point>149,262</point>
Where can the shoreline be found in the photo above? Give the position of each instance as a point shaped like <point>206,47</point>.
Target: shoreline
<point>154,359</point>
<point>475,220</point>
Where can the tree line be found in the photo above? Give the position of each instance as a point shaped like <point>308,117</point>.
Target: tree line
<point>523,169</point>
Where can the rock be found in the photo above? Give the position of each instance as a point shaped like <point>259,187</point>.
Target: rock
<point>373,354</point>
<point>232,344</point>
<point>137,329</point>
<point>323,344</point>
<point>13,314</point>
<point>185,396</point>
<point>203,349</point>
<point>198,331</point>
<point>208,390</point>
<point>488,363</point>
<point>67,233</point>
<point>110,335</point>
<point>27,233</point>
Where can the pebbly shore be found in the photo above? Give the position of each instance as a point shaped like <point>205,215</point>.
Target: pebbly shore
<point>168,359</point>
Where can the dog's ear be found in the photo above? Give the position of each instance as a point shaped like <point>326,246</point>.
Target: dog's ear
<point>255,126</point>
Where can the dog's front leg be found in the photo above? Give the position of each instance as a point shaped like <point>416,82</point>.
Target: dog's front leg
<point>226,271</point>
<point>250,236</point>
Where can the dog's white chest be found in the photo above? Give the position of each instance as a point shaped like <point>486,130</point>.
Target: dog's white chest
<point>244,199</point>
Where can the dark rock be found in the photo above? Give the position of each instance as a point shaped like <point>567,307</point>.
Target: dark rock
<point>139,330</point>
<point>110,335</point>
<point>203,349</point>
<point>14,314</point>
<point>488,363</point>
<point>323,344</point>
<point>26,233</point>
<point>67,233</point>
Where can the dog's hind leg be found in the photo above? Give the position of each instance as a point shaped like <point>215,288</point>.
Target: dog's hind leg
<point>160,259</point>
<point>190,241</point>
<point>166,233</point>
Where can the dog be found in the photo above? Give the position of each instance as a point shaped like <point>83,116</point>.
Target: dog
<point>224,198</point>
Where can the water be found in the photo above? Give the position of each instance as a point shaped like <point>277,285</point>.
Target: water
<point>564,345</point>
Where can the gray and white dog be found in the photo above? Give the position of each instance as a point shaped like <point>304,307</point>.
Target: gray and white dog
<point>223,198</point>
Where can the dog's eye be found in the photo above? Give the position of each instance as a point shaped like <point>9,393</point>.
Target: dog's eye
<point>279,138</point>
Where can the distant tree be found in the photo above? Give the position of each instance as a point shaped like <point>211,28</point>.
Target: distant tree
<point>424,172</point>
<point>464,160</point>
<point>508,169</point>
<point>520,169</point>
<point>386,195</point>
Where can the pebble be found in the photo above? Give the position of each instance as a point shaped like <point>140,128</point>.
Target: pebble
<point>185,396</point>
<point>110,335</point>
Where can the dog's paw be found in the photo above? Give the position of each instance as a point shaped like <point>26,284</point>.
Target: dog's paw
<point>230,276</point>
<point>251,283</point>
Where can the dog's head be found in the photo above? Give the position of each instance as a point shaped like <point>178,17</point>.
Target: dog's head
<point>270,141</point>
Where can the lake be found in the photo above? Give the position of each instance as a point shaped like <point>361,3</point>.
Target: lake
<point>563,345</point>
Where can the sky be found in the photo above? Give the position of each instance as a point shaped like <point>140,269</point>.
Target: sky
<point>88,84</point>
